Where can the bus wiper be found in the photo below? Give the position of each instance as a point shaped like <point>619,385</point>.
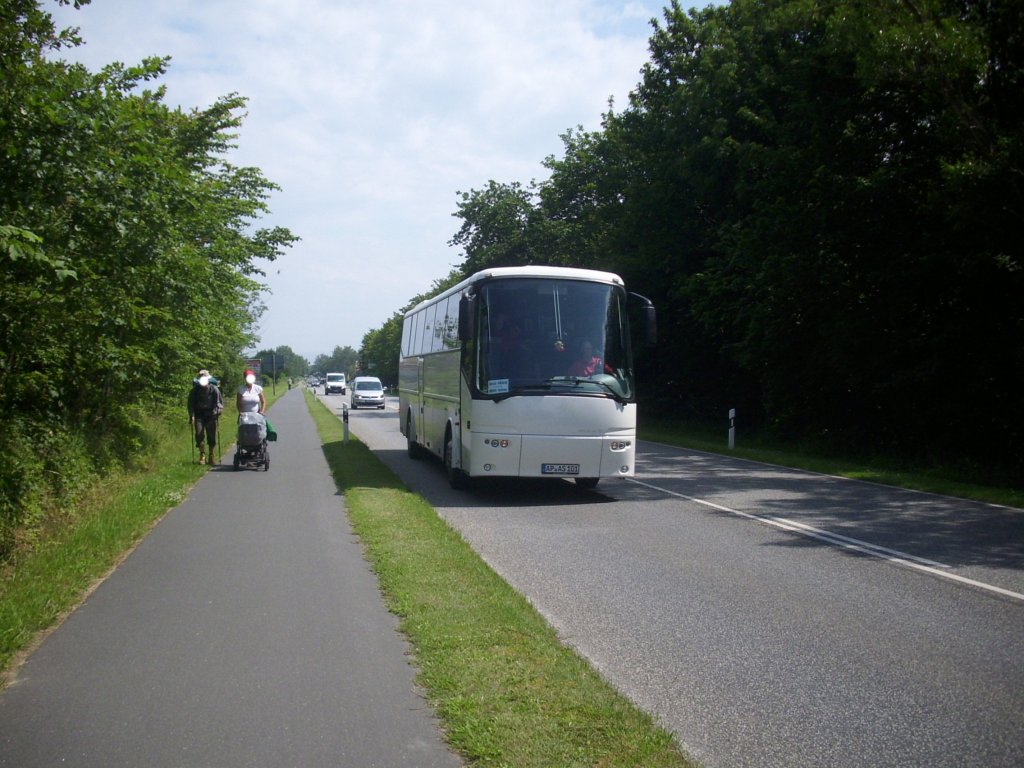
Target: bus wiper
<point>577,380</point>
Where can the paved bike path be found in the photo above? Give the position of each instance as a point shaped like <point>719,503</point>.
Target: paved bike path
<point>245,630</point>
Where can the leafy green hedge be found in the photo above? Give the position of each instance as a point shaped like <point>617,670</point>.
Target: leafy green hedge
<point>823,200</point>
<point>128,258</point>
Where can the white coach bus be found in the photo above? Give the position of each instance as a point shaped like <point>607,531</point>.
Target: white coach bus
<point>524,372</point>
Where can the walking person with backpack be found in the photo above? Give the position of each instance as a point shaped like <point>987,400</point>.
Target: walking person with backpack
<point>205,405</point>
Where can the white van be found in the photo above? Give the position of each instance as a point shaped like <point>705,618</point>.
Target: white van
<point>335,383</point>
<point>367,391</point>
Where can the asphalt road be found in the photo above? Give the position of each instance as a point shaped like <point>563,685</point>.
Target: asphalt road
<point>245,630</point>
<point>767,616</point>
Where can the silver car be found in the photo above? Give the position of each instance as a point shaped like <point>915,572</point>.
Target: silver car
<point>367,391</point>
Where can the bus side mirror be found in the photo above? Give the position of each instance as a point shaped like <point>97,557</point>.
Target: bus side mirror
<point>467,316</point>
<point>648,318</point>
<point>650,326</point>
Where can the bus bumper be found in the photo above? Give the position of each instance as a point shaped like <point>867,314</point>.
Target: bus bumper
<point>545,456</point>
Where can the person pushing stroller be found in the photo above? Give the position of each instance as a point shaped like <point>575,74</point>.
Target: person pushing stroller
<point>205,405</point>
<point>253,428</point>
<point>250,398</point>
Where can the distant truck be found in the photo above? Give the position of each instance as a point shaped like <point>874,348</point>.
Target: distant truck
<point>335,383</point>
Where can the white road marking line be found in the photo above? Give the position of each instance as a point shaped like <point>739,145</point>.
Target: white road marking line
<point>855,545</point>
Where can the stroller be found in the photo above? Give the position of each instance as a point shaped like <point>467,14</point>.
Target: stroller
<point>251,445</point>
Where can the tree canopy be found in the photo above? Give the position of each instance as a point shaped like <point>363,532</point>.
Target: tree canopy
<point>341,360</point>
<point>128,247</point>
<point>822,197</point>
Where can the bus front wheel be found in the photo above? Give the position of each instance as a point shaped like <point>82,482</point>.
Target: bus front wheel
<point>457,479</point>
<point>410,439</point>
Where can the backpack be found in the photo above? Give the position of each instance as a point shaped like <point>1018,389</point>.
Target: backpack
<point>205,399</point>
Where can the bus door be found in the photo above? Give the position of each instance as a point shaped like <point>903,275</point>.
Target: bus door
<point>419,405</point>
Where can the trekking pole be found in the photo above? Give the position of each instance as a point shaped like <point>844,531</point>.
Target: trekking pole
<point>192,438</point>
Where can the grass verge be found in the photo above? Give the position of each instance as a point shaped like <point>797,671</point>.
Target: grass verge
<point>965,483</point>
<point>507,691</point>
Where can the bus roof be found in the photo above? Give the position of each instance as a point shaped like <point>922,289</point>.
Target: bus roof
<point>564,273</point>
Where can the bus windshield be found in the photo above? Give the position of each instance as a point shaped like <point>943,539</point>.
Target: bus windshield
<point>552,336</point>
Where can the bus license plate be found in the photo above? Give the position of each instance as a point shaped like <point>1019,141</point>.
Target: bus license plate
<point>560,469</point>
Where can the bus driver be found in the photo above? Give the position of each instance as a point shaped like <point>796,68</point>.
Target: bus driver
<point>587,364</point>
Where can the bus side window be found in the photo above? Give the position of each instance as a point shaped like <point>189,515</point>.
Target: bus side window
<point>451,323</point>
<point>406,333</point>
<point>414,334</point>
<point>437,338</point>
<point>428,328</point>
<point>421,332</point>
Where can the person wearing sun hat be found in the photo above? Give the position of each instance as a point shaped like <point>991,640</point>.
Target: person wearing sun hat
<point>205,405</point>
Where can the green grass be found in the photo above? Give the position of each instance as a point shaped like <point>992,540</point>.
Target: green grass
<point>507,691</point>
<point>962,482</point>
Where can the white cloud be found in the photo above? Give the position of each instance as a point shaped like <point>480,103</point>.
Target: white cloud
<point>371,115</point>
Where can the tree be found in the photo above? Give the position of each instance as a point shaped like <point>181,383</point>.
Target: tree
<point>501,228</point>
<point>283,362</point>
<point>807,182</point>
<point>379,353</point>
<point>823,200</point>
<point>128,251</point>
<point>341,360</point>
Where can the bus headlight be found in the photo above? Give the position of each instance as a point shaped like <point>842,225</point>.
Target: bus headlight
<point>620,445</point>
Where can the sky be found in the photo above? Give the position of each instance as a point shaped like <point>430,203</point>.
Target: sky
<point>372,116</point>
